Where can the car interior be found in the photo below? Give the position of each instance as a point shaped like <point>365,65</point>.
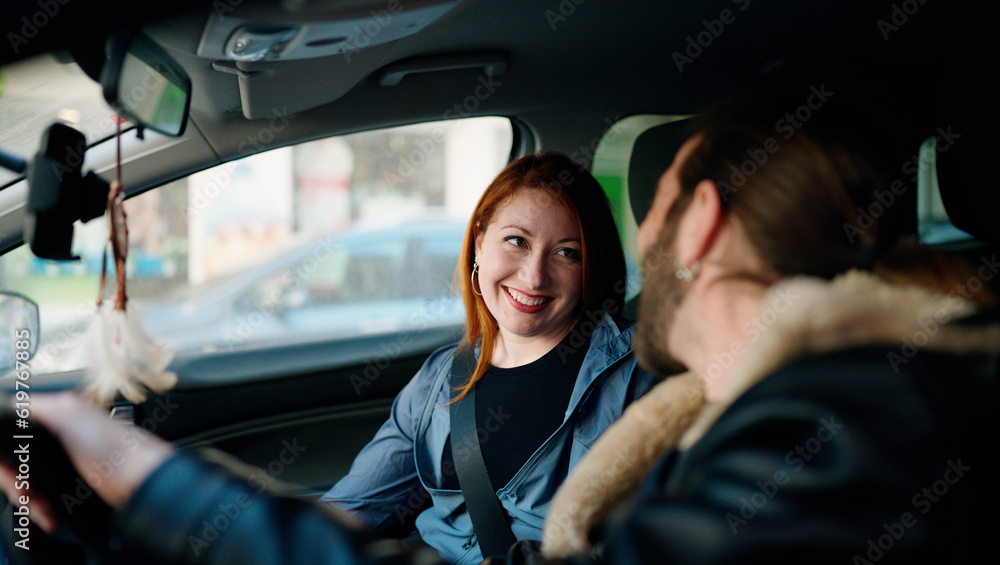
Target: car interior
<point>611,84</point>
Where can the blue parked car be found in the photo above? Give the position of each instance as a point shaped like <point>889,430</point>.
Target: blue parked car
<point>367,279</point>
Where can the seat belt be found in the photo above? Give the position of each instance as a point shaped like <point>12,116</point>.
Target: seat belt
<point>489,521</point>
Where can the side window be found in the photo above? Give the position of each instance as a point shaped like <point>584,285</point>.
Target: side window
<point>331,238</point>
<point>323,284</point>
<point>373,271</point>
<point>434,273</point>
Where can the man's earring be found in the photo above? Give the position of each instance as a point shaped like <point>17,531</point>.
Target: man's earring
<point>472,278</point>
<point>687,274</point>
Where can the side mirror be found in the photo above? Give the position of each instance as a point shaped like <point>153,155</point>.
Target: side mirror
<point>19,344</point>
<point>143,83</point>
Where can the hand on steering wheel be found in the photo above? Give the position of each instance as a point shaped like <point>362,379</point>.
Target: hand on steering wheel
<point>66,435</point>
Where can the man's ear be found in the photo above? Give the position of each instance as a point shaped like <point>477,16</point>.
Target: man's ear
<point>700,224</point>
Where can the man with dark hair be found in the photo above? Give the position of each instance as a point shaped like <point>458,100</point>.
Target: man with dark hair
<point>828,415</point>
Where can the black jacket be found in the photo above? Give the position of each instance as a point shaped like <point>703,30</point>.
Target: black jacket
<point>853,427</point>
<point>832,459</point>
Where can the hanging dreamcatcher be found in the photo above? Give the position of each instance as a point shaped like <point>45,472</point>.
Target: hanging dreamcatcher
<point>123,357</point>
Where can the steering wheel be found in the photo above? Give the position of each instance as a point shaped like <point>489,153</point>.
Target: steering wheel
<point>85,519</point>
<point>43,548</point>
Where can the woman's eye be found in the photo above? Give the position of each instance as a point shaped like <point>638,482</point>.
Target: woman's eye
<point>515,240</point>
<point>570,253</point>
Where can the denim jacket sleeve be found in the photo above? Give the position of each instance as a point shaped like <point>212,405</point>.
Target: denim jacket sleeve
<point>382,486</point>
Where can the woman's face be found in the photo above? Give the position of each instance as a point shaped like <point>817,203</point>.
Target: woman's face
<point>530,267</point>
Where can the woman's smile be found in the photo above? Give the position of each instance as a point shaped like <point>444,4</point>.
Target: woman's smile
<point>527,303</point>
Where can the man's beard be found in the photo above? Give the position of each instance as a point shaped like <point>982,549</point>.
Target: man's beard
<point>662,293</point>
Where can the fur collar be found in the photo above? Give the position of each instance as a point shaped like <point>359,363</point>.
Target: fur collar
<point>801,316</point>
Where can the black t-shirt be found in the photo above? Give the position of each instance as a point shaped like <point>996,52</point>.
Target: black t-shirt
<point>517,409</point>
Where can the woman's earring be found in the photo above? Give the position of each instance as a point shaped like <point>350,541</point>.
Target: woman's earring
<point>687,274</point>
<point>475,267</point>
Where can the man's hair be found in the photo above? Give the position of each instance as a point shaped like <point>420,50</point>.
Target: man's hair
<point>795,191</point>
<point>803,190</point>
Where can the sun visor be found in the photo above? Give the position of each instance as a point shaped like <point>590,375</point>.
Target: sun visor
<point>316,29</point>
<point>269,89</point>
<point>308,53</point>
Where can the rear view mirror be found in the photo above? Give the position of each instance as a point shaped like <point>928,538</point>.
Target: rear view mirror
<point>144,84</point>
<point>20,314</point>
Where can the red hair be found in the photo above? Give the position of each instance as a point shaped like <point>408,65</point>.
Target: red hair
<point>580,193</point>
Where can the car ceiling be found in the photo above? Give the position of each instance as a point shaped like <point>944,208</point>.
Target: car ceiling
<point>573,67</point>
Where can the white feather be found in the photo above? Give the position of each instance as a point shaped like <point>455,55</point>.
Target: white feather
<point>123,358</point>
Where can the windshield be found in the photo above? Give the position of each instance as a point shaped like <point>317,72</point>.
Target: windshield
<point>35,91</point>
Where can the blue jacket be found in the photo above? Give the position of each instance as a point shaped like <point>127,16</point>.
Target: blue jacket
<point>401,467</point>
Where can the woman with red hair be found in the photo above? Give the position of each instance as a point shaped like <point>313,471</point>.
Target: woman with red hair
<point>543,280</point>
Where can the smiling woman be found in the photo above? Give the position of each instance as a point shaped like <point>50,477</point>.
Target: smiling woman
<point>543,280</point>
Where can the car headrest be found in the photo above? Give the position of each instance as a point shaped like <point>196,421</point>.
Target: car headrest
<point>967,148</point>
<point>652,154</point>
<point>968,179</point>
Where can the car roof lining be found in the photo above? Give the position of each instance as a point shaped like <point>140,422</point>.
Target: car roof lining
<point>554,60</point>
